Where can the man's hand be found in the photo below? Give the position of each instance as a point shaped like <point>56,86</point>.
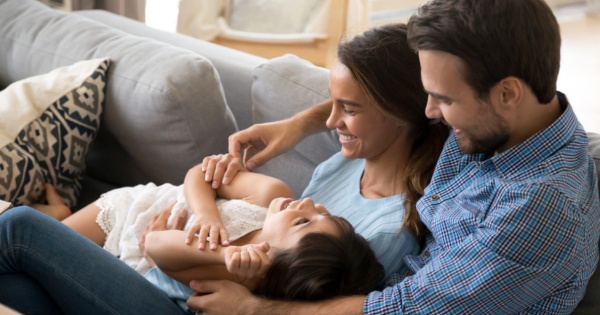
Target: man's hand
<point>222,297</point>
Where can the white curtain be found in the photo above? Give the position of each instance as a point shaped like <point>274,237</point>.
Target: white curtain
<point>135,9</point>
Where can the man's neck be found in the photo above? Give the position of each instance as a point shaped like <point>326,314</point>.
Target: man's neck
<point>534,117</point>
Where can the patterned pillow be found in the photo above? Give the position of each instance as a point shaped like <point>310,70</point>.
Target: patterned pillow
<point>47,123</point>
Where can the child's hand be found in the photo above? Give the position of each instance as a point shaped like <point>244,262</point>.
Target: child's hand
<point>221,168</point>
<point>247,261</point>
<point>208,230</point>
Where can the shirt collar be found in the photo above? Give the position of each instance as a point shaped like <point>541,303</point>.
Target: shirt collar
<point>541,145</point>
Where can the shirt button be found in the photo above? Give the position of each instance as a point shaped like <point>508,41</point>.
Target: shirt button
<point>435,197</point>
<point>426,254</point>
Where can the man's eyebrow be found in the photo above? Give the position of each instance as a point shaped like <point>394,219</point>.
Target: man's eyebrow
<point>437,95</point>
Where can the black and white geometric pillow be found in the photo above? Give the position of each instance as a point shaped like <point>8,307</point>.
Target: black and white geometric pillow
<point>51,146</point>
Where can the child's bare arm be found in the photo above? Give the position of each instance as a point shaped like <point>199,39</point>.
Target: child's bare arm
<point>255,188</point>
<point>185,263</point>
<point>200,197</point>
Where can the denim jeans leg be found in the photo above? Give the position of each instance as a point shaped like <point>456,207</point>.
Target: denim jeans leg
<point>78,275</point>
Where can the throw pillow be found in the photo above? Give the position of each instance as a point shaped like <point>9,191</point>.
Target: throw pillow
<point>47,124</point>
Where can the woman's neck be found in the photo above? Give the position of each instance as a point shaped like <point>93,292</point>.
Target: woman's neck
<point>382,176</point>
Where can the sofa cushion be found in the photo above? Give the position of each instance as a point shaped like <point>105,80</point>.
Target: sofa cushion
<point>48,122</point>
<point>283,87</point>
<point>164,108</point>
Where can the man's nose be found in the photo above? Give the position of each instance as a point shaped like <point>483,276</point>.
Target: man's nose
<point>432,110</point>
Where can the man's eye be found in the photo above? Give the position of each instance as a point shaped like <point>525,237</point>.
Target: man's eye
<point>301,221</point>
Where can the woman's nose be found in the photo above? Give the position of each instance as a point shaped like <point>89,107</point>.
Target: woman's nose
<point>333,119</point>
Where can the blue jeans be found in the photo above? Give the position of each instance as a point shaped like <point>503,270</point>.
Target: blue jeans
<point>47,268</point>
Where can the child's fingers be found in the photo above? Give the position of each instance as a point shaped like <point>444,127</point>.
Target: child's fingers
<point>245,263</point>
<point>189,236</point>
<point>233,264</point>
<point>264,264</point>
<point>224,237</point>
<point>263,246</point>
<point>214,238</point>
<point>202,235</point>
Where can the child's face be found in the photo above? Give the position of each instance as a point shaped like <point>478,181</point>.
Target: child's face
<point>288,221</point>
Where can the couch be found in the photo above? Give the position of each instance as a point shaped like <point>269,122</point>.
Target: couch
<point>171,100</point>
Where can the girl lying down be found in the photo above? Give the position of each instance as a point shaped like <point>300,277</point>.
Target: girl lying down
<point>280,248</point>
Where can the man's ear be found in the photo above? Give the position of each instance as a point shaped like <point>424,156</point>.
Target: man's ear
<point>510,91</point>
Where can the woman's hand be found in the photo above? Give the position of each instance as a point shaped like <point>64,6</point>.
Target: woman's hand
<point>261,142</point>
<point>221,168</point>
<point>247,261</point>
<point>209,230</point>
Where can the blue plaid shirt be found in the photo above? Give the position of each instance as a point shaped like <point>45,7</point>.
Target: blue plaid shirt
<point>513,234</point>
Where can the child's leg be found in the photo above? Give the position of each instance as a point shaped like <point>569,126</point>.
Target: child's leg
<point>84,222</point>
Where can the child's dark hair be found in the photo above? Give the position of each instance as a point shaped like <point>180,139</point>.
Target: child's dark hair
<point>322,266</point>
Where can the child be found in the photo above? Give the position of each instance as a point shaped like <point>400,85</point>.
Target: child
<point>316,255</point>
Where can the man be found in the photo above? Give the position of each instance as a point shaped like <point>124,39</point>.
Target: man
<point>513,205</point>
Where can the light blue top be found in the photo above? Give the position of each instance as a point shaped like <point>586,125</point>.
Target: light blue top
<point>336,185</point>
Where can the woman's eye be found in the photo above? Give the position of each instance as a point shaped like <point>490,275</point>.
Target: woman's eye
<point>348,112</point>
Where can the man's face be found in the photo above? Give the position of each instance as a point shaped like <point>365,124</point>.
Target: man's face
<point>475,122</point>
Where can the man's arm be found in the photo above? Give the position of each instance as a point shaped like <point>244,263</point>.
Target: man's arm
<point>225,297</point>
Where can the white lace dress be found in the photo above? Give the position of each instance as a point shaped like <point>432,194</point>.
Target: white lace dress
<point>126,212</point>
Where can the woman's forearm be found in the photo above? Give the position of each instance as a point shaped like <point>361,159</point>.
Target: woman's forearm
<point>312,120</point>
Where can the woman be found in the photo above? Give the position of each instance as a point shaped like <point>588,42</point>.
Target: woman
<point>389,147</point>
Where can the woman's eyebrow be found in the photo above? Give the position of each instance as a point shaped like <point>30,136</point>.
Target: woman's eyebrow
<point>347,102</point>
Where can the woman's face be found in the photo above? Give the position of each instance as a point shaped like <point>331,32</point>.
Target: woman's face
<point>364,131</point>
<point>289,220</point>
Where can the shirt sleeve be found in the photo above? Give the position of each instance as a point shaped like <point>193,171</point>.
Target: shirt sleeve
<point>393,247</point>
<point>521,253</point>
